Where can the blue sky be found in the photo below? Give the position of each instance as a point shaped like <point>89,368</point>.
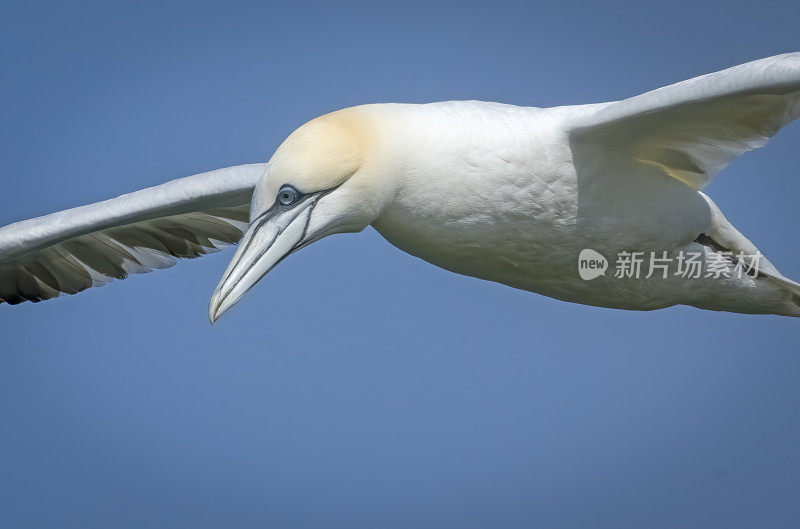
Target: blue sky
<point>358,386</point>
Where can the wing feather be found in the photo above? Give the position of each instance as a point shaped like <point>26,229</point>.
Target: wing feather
<point>693,129</point>
<point>72,250</point>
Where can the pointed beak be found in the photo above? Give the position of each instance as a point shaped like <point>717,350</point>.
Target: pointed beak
<point>270,238</point>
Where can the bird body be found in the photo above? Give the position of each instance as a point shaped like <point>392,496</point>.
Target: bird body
<point>457,161</point>
<point>510,194</point>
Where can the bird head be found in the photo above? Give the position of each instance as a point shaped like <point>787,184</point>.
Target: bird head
<point>324,179</point>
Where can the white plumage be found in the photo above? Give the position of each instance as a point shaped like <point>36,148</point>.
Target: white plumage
<point>69,251</point>
<point>505,193</point>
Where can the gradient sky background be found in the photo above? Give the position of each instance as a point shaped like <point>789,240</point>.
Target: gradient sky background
<point>359,387</point>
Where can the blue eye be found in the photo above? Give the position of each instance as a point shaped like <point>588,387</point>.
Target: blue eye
<point>288,195</point>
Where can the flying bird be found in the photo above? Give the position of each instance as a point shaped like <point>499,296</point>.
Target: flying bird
<point>510,194</point>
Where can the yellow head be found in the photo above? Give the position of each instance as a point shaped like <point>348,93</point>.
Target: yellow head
<point>322,154</point>
<point>323,179</point>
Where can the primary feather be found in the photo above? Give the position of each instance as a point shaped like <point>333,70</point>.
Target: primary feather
<point>72,250</point>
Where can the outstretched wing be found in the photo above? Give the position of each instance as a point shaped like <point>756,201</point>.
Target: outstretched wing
<point>74,249</point>
<point>695,128</point>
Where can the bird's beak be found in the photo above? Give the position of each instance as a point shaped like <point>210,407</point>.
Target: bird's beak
<point>270,238</point>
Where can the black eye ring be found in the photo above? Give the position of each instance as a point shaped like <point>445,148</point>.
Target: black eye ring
<point>288,195</point>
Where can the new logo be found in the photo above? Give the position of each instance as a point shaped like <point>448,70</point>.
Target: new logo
<point>591,264</point>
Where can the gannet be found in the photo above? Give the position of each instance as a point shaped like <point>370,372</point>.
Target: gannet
<point>504,193</point>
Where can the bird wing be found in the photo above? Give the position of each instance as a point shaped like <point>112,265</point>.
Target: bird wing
<point>693,129</point>
<point>71,250</point>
